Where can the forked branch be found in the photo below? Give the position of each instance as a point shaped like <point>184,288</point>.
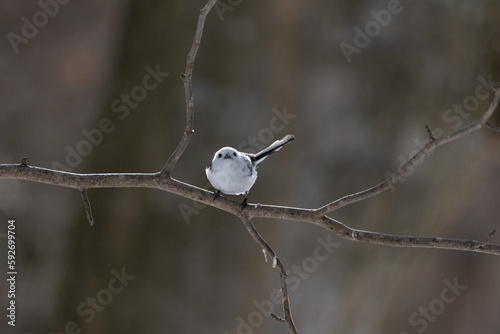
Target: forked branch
<point>410,164</point>
<point>187,78</point>
<point>268,251</point>
<point>163,181</point>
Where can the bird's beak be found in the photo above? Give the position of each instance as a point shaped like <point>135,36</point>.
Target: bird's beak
<point>227,156</point>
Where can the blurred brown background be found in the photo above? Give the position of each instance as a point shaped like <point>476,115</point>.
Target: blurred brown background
<point>190,269</point>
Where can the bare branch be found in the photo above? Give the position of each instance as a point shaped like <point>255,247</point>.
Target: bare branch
<point>429,133</point>
<point>284,288</point>
<point>156,181</point>
<point>163,181</point>
<point>488,239</point>
<point>410,164</point>
<point>493,127</point>
<point>187,78</point>
<point>280,319</point>
<point>88,208</point>
<point>78,181</point>
<point>346,232</point>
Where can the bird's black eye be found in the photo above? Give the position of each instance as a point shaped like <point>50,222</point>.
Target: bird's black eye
<point>220,155</point>
<point>234,153</point>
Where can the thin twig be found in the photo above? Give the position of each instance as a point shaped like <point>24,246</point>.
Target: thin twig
<point>493,127</point>
<point>488,239</point>
<point>410,164</point>
<point>88,208</point>
<point>429,133</point>
<point>187,78</point>
<point>280,319</point>
<point>284,288</point>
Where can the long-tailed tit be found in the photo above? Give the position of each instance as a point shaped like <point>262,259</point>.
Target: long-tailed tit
<point>234,173</point>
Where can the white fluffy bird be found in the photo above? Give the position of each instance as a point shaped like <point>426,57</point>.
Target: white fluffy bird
<point>234,173</point>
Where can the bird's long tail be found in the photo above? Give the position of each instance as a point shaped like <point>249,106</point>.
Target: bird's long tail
<point>274,147</point>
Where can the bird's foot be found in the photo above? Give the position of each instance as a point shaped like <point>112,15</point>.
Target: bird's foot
<point>216,195</point>
<point>244,203</point>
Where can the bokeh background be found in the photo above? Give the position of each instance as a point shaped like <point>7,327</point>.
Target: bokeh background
<point>195,269</point>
